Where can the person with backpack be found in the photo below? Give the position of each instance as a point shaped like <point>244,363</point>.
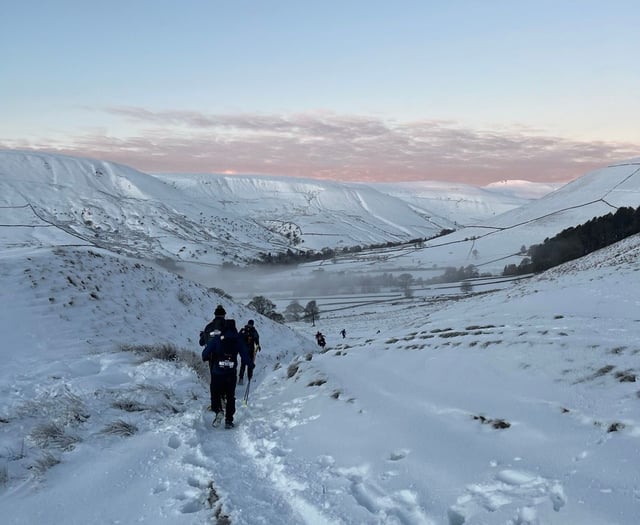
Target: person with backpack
<point>252,340</point>
<point>217,323</point>
<point>222,354</point>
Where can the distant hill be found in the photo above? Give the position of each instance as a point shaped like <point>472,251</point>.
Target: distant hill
<point>492,243</point>
<point>49,199</point>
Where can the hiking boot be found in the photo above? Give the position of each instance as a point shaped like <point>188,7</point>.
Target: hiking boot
<point>218,419</point>
<point>229,424</point>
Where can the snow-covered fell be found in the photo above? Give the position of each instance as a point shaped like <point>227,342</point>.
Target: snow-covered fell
<point>210,219</point>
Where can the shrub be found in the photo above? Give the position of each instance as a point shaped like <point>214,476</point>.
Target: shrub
<point>120,428</point>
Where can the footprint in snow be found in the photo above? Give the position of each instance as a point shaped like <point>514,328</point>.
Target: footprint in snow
<point>509,487</point>
<point>397,455</point>
<point>399,506</point>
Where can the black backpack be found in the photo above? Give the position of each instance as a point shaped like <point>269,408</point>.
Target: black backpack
<point>205,335</point>
<point>226,357</point>
<point>249,337</point>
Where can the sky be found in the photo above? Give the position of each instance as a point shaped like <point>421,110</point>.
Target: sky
<point>515,407</point>
<point>464,91</point>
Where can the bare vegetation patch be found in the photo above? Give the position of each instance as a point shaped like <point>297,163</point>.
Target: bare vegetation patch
<point>161,351</point>
<point>184,297</point>
<point>615,427</point>
<point>129,405</point>
<point>16,454</point>
<point>626,376</point>
<point>53,435</point>
<point>169,352</point>
<point>488,343</point>
<point>453,334</point>
<point>498,424</point>
<point>120,428</point>
<point>598,373</point>
<point>4,474</point>
<point>317,382</point>
<point>44,463</point>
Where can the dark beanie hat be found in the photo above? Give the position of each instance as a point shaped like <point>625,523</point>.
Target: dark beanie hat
<point>219,310</point>
<point>230,324</point>
<point>250,322</point>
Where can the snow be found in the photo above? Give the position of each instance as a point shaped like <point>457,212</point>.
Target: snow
<point>514,406</point>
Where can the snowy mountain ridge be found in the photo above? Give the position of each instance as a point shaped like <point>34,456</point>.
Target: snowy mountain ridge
<point>213,218</point>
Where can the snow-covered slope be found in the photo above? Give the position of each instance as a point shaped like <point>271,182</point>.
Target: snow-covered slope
<point>517,407</point>
<point>208,219</point>
<point>492,243</point>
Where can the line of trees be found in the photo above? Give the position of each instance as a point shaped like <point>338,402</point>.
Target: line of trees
<point>297,257</point>
<point>294,311</point>
<point>575,242</point>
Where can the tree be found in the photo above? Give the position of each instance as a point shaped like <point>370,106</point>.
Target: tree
<point>405,280</point>
<point>311,312</point>
<point>294,311</point>
<point>265,307</point>
<point>261,304</point>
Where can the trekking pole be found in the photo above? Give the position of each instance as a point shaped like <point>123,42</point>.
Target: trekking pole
<point>245,399</point>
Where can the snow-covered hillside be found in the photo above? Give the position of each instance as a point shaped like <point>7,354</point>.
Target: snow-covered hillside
<point>516,407</point>
<point>209,219</point>
<point>495,242</point>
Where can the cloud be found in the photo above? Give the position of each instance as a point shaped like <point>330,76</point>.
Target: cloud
<point>332,146</point>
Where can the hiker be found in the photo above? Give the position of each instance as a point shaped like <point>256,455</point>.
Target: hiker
<point>343,333</point>
<point>252,339</point>
<point>217,323</point>
<point>320,340</point>
<point>222,353</point>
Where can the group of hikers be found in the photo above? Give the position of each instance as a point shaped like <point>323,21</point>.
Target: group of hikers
<point>222,344</point>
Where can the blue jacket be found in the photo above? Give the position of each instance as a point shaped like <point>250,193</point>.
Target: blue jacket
<point>222,353</point>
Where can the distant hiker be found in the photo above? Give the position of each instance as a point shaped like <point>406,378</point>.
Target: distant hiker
<point>217,323</point>
<point>251,339</point>
<point>343,333</point>
<point>222,353</point>
<point>320,340</point>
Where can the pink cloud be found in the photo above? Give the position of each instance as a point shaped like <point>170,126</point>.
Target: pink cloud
<point>342,147</point>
